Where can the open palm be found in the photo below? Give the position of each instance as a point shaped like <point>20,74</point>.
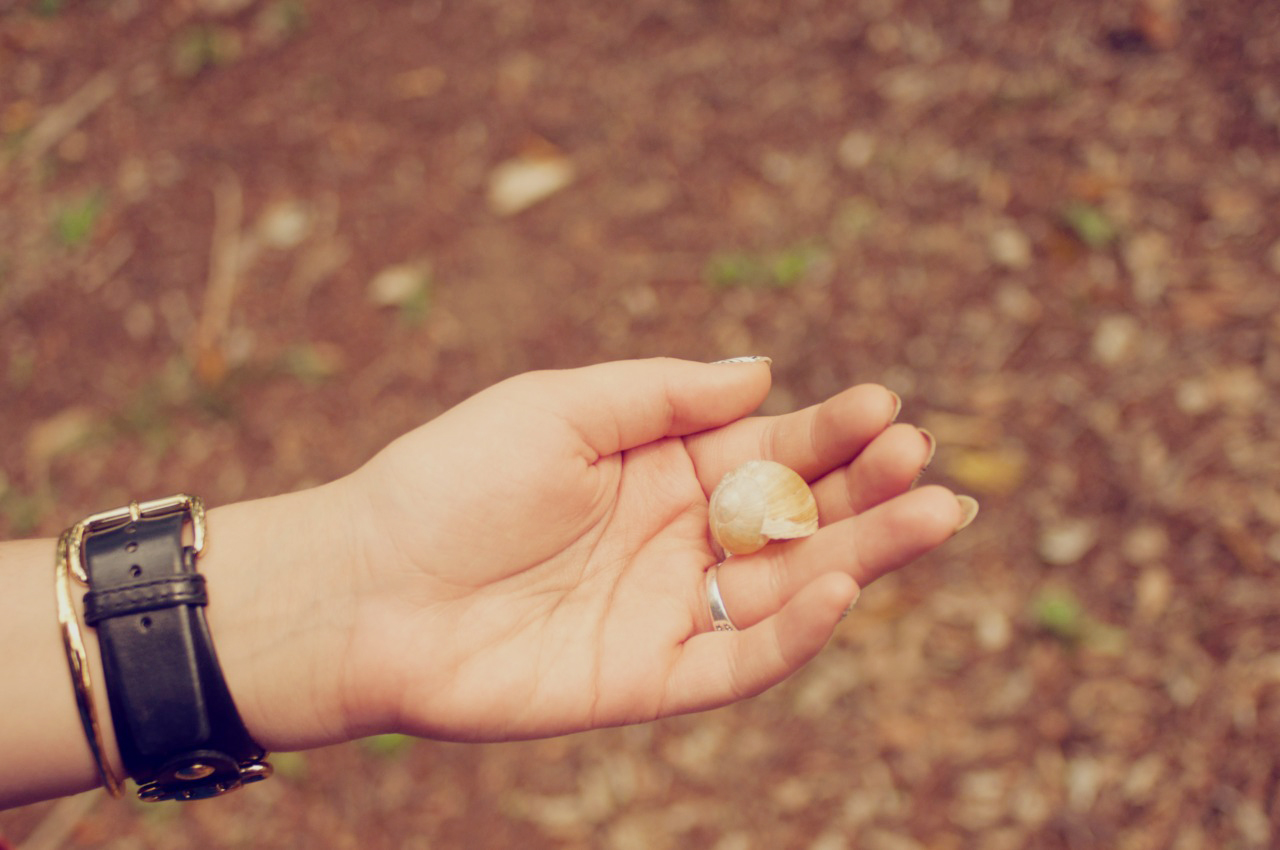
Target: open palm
<point>540,549</point>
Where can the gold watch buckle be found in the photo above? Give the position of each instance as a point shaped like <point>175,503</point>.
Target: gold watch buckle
<point>71,543</point>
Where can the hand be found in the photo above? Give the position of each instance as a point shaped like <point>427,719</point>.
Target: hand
<point>530,563</point>
<point>532,560</point>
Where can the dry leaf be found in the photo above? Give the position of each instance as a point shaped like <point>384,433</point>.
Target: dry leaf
<point>523,181</point>
<point>1066,542</point>
<point>396,286</point>
<point>988,471</point>
<point>284,224</point>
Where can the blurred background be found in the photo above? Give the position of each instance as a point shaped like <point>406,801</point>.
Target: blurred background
<point>245,243</point>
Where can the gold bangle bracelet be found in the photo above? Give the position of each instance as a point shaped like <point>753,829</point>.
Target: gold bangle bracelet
<point>77,660</point>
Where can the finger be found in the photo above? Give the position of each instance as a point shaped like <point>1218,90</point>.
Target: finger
<point>627,403</point>
<point>812,441</point>
<point>887,467</point>
<point>717,668</point>
<point>865,547</point>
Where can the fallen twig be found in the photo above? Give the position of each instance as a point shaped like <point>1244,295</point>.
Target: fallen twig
<point>66,116</point>
<point>224,254</point>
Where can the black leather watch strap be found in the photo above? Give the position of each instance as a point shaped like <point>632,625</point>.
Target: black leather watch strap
<point>179,733</point>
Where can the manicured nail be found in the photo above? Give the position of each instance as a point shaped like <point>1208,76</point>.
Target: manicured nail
<point>856,594</point>
<point>897,406</point>
<point>933,448</point>
<point>754,358</point>
<point>968,510</point>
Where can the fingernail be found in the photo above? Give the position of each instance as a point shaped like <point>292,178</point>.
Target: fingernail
<point>968,510</point>
<point>933,448</point>
<point>897,406</point>
<point>857,593</point>
<point>754,358</point>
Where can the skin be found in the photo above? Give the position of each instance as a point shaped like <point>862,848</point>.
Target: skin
<point>528,564</point>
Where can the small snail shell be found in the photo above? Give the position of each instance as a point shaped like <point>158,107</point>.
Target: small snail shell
<point>758,502</point>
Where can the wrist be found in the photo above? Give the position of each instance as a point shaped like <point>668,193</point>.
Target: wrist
<point>280,612</point>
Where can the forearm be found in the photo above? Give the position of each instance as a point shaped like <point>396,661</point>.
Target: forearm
<point>278,627</point>
<point>43,749</point>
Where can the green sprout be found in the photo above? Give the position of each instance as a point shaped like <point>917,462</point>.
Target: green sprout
<point>780,269</point>
<point>74,223</point>
<point>203,46</point>
<point>1058,613</point>
<point>1090,225</point>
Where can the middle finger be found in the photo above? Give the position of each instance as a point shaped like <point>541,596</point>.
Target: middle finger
<point>884,469</point>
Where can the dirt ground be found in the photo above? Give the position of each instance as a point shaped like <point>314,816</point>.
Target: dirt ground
<point>244,243</point>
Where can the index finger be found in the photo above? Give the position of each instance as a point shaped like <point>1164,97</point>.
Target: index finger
<point>627,403</point>
<point>812,441</point>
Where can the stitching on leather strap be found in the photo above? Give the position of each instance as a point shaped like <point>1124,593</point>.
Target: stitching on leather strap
<point>144,596</point>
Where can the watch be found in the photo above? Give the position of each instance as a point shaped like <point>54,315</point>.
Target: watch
<point>177,727</point>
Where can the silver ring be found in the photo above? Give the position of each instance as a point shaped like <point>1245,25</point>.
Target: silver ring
<point>720,621</point>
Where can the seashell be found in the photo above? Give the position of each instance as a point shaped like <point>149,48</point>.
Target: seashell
<point>758,502</point>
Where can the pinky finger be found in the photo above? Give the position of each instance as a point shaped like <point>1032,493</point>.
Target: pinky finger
<point>718,668</point>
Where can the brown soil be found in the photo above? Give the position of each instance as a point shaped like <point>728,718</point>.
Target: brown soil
<point>1050,225</point>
